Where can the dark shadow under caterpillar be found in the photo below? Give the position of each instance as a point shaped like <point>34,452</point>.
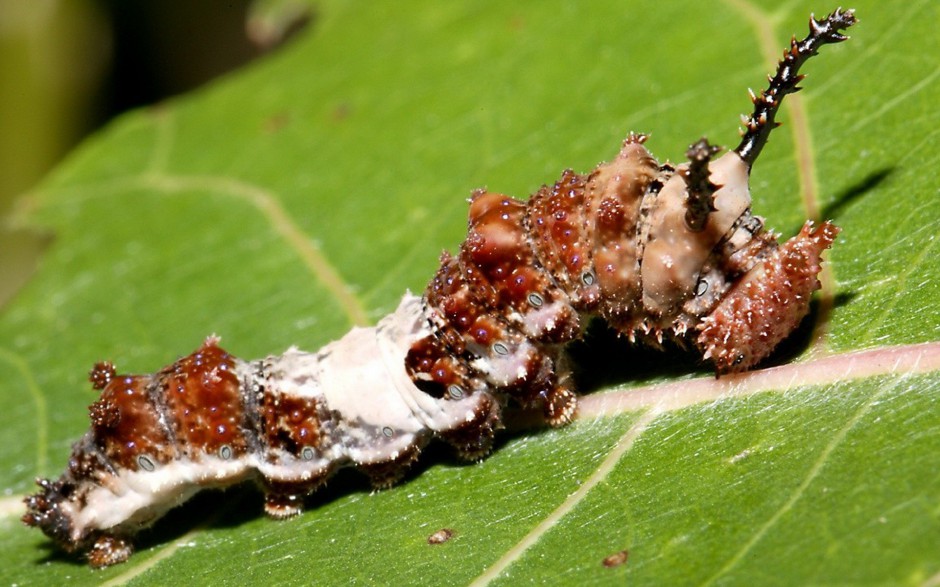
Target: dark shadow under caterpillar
<point>658,251</point>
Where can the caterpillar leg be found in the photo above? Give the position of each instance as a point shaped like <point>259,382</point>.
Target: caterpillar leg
<point>283,503</point>
<point>560,405</point>
<point>560,402</point>
<point>473,439</point>
<point>387,473</point>
<point>285,499</point>
<point>109,550</point>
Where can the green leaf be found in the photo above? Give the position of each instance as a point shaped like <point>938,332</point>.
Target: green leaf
<point>305,193</point>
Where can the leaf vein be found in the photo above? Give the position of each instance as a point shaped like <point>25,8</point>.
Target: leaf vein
<point>624,444</point>
<point>808,479</point>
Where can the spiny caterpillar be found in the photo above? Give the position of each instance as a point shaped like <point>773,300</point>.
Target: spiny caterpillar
<point>656,250</point>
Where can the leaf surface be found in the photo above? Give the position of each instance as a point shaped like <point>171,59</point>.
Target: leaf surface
<point>305,193</point>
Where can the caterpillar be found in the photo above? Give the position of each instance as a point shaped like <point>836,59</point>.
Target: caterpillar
<point>658,251</point>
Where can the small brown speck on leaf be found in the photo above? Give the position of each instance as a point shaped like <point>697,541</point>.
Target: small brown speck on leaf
<point>441,536</point>
<point>616,559</point>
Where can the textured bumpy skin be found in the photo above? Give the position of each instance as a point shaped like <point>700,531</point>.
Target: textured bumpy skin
<point>654,249</point>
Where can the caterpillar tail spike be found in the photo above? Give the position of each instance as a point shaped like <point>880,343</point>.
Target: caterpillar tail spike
<point>757,127</point>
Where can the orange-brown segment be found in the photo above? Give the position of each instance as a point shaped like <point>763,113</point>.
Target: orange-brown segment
<point>556,219</point>
<point>503,272</point>
<point>126,425</point>
<point>202,395</point>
